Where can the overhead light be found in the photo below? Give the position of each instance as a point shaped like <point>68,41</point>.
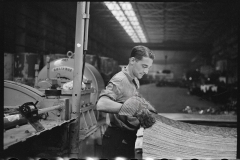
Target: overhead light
<point>126,16</point>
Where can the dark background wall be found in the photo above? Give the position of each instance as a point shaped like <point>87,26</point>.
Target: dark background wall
<point>49,28</point>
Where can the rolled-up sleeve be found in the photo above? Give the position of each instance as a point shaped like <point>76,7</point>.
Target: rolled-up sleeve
<point>112,91</point>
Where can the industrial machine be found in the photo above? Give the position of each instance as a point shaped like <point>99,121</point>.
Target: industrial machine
<point>51,105</point>
<point>62,69</point>
<point>51,91</point>
<point>54,102</point>
<point>24,106</point>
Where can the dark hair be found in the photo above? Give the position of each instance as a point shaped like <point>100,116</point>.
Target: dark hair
<point>141,51</point>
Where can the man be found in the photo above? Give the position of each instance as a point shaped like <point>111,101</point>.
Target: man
<point>120,136</point>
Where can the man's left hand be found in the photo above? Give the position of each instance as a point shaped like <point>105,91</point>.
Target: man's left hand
<point>145,117</point>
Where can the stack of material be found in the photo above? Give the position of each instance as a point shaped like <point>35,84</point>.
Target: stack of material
<point>173,139</point>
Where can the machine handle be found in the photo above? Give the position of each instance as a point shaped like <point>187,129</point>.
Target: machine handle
<point>70,54</point>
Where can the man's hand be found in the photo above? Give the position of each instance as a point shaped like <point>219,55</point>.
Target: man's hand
<point>139,108</point>
<point>145,117</point>
<point>148,105</point>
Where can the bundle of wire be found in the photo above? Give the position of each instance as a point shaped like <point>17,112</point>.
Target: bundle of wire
<point>172,139</point>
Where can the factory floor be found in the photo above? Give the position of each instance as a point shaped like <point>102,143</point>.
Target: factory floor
<point>172,99</point>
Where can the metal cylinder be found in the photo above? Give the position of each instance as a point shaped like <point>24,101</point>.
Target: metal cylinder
<point>63,70</point>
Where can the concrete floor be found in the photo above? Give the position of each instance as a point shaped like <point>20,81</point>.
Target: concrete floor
<point>172,99</point>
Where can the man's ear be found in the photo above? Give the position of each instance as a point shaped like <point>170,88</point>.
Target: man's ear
<point>131,60</point>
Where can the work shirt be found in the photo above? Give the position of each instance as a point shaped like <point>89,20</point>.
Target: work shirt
<point>121,87</point>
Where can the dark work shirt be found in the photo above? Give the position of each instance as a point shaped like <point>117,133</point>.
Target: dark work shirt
<point>119,89</point>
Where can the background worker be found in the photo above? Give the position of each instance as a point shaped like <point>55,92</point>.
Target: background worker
<point>120,136</point>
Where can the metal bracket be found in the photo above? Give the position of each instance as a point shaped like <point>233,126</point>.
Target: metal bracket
<point>86,16</point>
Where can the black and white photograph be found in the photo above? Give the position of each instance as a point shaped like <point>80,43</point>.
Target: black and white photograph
<point>120,80</point>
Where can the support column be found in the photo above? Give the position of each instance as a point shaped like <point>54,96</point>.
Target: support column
<point>75,149</point>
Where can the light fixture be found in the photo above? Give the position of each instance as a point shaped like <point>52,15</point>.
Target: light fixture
<point>126,16</point>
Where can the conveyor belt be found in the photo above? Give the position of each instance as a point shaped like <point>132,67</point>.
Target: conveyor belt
<point>174,139</point>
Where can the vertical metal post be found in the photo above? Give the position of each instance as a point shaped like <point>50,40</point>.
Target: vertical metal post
<point>86,16</point>
<point>77,80</point>
<point>78,58</point>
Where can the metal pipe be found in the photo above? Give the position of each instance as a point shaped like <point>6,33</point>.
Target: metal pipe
<point>75,150</point>
<point>18,119</point>
<point>13,120</point>
<point>40,111</point>
<point>86,18</point>
<point>78,58</point>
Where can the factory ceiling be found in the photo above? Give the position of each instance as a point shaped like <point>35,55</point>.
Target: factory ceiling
<point>179,26</point>
<point>189,25</point>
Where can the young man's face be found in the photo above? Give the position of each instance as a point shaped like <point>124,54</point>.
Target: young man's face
<point>141,67</point>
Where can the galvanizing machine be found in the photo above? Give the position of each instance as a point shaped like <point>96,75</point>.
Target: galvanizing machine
<point>65,94</point>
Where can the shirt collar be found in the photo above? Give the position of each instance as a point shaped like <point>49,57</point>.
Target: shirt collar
<point>126,72</point>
